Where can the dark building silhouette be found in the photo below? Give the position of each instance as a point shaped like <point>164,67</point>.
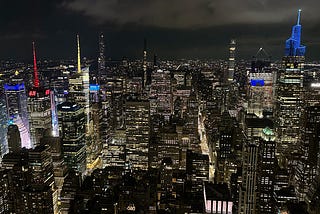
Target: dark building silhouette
<point>14,140</point>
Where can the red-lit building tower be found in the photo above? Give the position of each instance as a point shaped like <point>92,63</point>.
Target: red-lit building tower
<point>39,107</point>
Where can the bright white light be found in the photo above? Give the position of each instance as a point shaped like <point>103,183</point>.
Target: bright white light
<point>315,85</point>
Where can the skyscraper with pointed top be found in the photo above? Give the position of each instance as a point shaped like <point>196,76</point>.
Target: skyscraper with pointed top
<point>289,91</point>
<point>79,93</point>
<point>79,82</point>
<point>231,66</point>
<point>39,106</point>
<point>101,59</point>
<point>144,62</point>
<point>293,44</point>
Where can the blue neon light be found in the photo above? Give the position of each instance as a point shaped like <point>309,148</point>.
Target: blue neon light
<point>257,82</point>
<point>16,87</point>
<point>293,44</point>
<point>94,87</point>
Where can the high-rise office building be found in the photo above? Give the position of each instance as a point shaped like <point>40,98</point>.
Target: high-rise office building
<point>16,100</point>
<point>232,55</point>
<point>144,63</point>
<point>248,193</point>
<point>37,199</point>
<point>101,59</point>
<point>15,177</point>
<point>267,171</point>
<point>3,128</point>
<point>114,153</point>
<point>79,88</point>
<point>72,118</point>
<point>197,171</point>
<point>161,94</point>
<point>14,140</point>
<point>39,107</point>
<point>137,133</point>
<point>260,91</point>
<point>42,181</point>
<point>289,99</point>
<point>59,167</point>
<point>306,169</point>
<point>79,93</point>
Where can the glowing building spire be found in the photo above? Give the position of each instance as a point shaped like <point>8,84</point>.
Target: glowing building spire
<point>144,62</point>
<point>293,44</point>
<point>299,13</point>
<point>79,61</point>
<point>35,69</point>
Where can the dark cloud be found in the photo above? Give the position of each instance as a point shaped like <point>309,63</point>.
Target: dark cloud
<point>192,13</point>
<point>173,28</point>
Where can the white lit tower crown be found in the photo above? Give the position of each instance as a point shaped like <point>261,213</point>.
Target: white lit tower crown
<point>39,107</point>
<point>232,55</point>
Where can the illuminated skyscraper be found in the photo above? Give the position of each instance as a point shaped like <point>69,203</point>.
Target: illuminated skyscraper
<point>16,101</point>
<point>39,107</point>
<point>289,90</point>
<point>3,128</point>
<point>232,55</point>
<point>260,91</point>
<point>72,132</point>
<point>248,201</point>
<point>54,115</point>
<point>101,59</point>
<point>144,63</point>
<point>160,91</point>
<point>79,93</point>
<point>137,133</point>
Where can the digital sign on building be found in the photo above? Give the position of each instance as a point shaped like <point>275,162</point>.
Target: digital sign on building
<point>257,82</point>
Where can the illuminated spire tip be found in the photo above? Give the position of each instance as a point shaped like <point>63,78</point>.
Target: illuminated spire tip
<point>299,14</point>
<point>35,69</point>
<point>79,62</point>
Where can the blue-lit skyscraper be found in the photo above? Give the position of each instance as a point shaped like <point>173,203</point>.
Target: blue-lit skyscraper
<point>289,99</point>
<point>16,100</point>
<point>293,44</point>
<point>3,127</point>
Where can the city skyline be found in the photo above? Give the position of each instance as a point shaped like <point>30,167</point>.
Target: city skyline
<point>230,136</point>
<point>181,29</point>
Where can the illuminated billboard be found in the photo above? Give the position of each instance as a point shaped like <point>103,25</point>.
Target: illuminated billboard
<point>94,87</point>
<point>257,82</point>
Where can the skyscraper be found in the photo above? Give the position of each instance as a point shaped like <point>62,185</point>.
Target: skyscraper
<point>72,132</point>
<point>161,93</point>
<point>16,101</point>
<point>3,128</point>
<point>14,140</point>
<point>232,55</point>
<point>137,133</point>
<point>260,87</point>
<point>248,201</point>
<point>79,90</point>
<point>144,62</point>
<point>79,93</point>
<point>39,107</point>
<point>101,59</point>
<point>289,89</point>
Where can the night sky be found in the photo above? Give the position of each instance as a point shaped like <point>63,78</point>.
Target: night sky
<point>174,28</point>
